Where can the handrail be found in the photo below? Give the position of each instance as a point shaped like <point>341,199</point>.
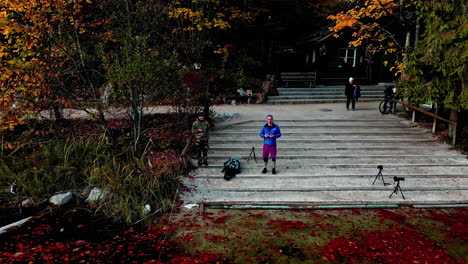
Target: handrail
<point>433,115</point>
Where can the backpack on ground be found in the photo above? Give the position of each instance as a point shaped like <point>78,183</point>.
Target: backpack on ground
<point>231,168</point>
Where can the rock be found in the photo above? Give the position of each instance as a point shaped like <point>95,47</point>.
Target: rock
<point>147,209</point>
<point>61,199</point>
<point>95,194</point>
<point>9,227</point>
<point>27,202</point>
<point>191,206</point>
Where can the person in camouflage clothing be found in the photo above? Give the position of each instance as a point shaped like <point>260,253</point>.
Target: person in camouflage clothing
<point>201,135</point>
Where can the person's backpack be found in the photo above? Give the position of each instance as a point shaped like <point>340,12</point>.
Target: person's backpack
<point>231,168</point>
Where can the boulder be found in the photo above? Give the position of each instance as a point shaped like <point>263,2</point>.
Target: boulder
<point>27,202</point>
<point>61,199</point>
<point>95,194</point>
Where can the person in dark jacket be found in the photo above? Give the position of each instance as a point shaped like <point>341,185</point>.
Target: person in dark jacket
<point>269,132</point>
<point>201,135</point>
<point>389,94</point>
<point>352,92</point>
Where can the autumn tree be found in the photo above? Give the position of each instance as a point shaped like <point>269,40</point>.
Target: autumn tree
<point>201,31</point>
<point>44,58</point>
<point>381,25</point>
<point>436,68</point>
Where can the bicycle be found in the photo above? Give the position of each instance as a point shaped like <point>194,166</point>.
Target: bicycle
<point>387,105</point>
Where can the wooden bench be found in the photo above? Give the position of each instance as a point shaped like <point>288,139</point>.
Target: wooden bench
<point>340,80</point>
<point>307,77</point>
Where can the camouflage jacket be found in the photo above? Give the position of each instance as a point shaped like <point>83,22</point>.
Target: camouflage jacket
<point>201,136</point>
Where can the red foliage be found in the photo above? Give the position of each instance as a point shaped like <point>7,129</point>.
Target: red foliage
<point>165,138</point>
<point>165,161</point>
<point>286,225</point>
<point>457,223</point>
<point>402,244</point>
<point>132,246</point>
<point>215,238</point>
<point>386,214</point>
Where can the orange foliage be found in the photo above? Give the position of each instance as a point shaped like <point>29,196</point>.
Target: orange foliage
<point>364,20</point>
<point>32,54</point>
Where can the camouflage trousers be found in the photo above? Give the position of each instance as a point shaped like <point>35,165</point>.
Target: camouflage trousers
<point>201,152</point>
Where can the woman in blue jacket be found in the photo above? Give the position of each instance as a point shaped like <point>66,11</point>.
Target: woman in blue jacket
<point>269,132</point>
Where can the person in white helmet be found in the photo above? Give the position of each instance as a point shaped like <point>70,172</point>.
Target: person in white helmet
<point>352,92</point>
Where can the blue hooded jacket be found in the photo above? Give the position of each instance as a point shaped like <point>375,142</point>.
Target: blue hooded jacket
<point>274,130</point>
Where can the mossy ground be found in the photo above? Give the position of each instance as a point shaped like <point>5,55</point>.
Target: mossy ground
<point>312,236</point>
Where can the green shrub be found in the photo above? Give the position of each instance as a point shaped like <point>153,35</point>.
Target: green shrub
<point>130,181</point>
<point>132,185</point>
<point>52,168</point>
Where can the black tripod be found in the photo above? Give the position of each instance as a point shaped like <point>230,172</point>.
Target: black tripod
<point>397,188</point>
<point>380,176</point>
<point>252,152</point>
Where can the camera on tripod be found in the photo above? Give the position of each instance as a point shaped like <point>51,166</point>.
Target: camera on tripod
<point>397,186</point>
<point>380,176</point>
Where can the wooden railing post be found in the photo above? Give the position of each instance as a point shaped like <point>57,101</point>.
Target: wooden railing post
<point>454,123</point>
<point>434,125</point>
<point>454,138</point>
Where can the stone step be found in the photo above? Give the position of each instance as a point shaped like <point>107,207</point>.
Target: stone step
<point>319,183</point>
<point>318,126</point>
<point>319,94</point>
<point>326,92</point>
<point>331,120</point>
<point>317,146</point>
<point>299,177</point>
<point>282,166</point>
<point>317,136</point>
<point>335,90</point>
<point>317,132</point>
<point>328,196</point>
<point>332,140</point>
<point>325,96</point>
<point>332,87</point>
<point>316,101</point>
<point>335,147</point>
<point>291,132</point>
<point>384,119</point>
<point>252,169</point>
<point>359,152</point>
<point>429,160</point>
<point>299,135</point>
<point>326,129</point>
<point>314,132</point>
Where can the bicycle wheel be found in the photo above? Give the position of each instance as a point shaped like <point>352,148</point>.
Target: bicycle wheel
<point>407,109</point>
<point>382,109</point>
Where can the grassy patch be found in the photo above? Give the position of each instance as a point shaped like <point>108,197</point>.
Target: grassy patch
<point>327,236</point>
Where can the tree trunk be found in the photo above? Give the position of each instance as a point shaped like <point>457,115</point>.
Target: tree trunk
<point>407,44</point>
<point>453,117</point>
<point>416,33</point>
<point>108,133</point>
<point>57,113</point>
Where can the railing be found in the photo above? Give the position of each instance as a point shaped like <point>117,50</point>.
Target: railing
<point>454,138</point>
